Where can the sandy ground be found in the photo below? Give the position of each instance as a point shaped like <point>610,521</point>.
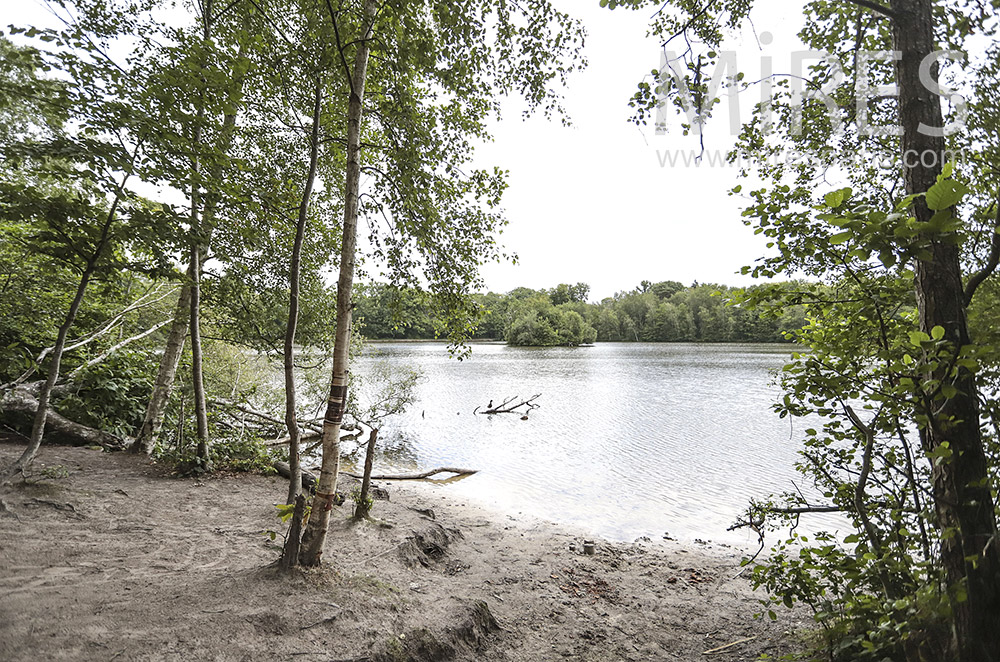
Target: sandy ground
<point>108,557</point>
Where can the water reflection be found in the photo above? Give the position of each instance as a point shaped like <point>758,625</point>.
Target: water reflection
<point>629,440</point>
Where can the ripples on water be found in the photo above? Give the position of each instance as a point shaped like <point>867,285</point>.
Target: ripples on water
<point>630,439</point>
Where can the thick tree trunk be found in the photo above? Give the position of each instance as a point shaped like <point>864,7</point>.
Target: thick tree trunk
<point>314,537</point>
<point>153,421</point>
<point>21,399</point>
<point>294,272</point>
<point>970,550</point>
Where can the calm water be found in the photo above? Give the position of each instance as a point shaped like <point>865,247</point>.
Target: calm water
<point>630,439</point>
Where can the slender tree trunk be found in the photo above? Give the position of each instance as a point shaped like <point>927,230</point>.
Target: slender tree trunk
<point>361,507</point>
<point>290,553</point>
<point>41,416</point>
<point>291,414</point>
<point>314,537</point>
<point>197,376</point>
<point>970,549</point>
<point>153,421</point>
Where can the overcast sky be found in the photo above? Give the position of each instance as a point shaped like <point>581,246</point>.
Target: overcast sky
<point>591,203</point>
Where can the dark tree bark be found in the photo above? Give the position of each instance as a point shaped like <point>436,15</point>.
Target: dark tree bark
<point>294,273</point>
<point>964,504</point>
<point>361,507</point>
<point>290,552</point>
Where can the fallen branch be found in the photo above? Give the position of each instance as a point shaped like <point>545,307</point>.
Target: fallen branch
<point>506,407</point>
<point>308,478</point>
<point>284,441</point>
<point>418,476</point>
<point>226,405</point>
<point>105,354</point>
<point>728,646</point>
<point>21,400</point>
<point>108,326</point>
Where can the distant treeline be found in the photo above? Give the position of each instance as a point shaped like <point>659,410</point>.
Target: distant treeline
<point>653,312</point>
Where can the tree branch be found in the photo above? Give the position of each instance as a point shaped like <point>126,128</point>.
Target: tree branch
<point>991,263</point>
<point>875,7</point>
<point>111,350</point>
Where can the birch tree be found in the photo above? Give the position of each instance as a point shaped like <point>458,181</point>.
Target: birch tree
<point>422,81</point>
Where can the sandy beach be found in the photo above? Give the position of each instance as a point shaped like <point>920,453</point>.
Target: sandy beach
<point>109,557</point>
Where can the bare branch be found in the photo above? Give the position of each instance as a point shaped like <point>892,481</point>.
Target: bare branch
<point>506,408</point>
<point>111,350</point>
<point>991,263</point>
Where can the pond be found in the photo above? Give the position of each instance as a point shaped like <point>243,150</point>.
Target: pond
<point>629,439</point>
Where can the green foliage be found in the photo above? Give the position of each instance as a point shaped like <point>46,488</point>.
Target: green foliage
<point>537,322</point>
<point>366,507</point>
<point>879,592</point>
<point>871,386</point>
<point>112,395</point>
<point>245,454</point>
<point>55,472</point>
<point>653,312</point>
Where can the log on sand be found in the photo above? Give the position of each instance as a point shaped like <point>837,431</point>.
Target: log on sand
<point>308,478</point>
<point>21,400</point>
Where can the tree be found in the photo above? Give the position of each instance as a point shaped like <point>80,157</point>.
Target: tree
<point>433,207</point>
<point>66,191</point>
<point>877,239</point>
<point>193,82</point>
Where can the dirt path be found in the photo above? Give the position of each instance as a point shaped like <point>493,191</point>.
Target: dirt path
<point>107,557</point>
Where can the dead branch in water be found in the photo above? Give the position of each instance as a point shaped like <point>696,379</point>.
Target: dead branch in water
<point>418,476</point>
<point>506,407</point>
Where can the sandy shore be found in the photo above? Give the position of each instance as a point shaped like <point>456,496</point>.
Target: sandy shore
<point>108,557</point>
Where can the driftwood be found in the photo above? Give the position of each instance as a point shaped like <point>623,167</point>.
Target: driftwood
<point>22,400</point>
<point>308,478</point>
<point>284,441</point>
<point>507,406</point>
<point>418,476</point>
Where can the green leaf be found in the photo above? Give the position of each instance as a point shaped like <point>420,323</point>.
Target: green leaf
<point>834,199</point>
<point>945,194</point>
<point>937,333</point>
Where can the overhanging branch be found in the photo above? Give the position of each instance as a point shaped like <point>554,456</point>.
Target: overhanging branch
<point>875,7</point>
<point>991,263</point>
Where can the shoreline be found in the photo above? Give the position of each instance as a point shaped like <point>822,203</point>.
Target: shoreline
<point>103,539</point>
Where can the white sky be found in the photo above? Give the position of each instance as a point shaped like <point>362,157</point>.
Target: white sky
<point>591,202</point>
